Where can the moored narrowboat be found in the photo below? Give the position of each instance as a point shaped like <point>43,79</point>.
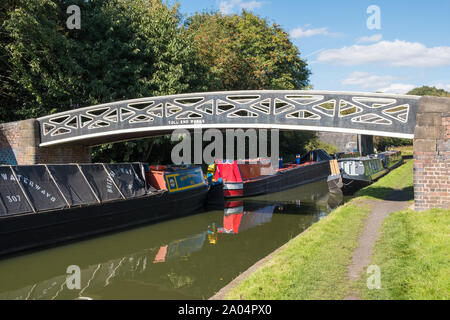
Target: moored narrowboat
<point>46,204</point>
<point>360,172</point>
<point>243,178</point>
<point>355,173</point>
<point>391,159</point>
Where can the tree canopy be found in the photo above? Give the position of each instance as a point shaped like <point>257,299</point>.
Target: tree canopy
<point>429,91</point>
<point>244,52</point>
<point>125,49</point>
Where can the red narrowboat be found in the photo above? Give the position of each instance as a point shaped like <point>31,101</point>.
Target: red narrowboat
<point>242,178</point>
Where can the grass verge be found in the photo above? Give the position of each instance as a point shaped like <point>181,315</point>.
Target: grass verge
<point>413,255</point>
<point>315,264</point>
<point>312,266</point>
<point>400,179</point>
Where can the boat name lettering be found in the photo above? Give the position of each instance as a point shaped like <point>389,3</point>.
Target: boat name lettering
<point>30,183</point>
<point>109,185</point>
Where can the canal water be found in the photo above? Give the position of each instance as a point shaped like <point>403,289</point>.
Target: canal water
<point>186,258</point>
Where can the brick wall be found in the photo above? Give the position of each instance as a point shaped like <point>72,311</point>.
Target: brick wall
<point>65,154</point>
<point>18,141</point>
<point>432,154</point>
<point>19,144</point>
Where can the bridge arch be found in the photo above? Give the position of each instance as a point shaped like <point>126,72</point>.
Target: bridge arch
<point>359,113</point>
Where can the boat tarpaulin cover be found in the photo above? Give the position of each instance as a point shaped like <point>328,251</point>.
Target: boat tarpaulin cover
<point>126,178</point>
<point>315,155</point>
<point>100,182</point>
<point>39,187</point>
<point>228,170</point>
<point>72,184</point>
<point>12,199</point>
<point>252,169</point>
<point>138,168</point>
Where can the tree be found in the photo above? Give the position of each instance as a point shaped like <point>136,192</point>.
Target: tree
<point>429,91</point>
<point>125,49</point>
<point>244,52</point>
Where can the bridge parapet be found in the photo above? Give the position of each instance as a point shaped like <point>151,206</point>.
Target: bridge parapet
<point>362,113</point>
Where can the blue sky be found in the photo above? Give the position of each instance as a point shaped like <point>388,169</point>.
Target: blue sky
<point>411,48</point>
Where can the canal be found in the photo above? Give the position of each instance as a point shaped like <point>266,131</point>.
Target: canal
<point>187,258</point>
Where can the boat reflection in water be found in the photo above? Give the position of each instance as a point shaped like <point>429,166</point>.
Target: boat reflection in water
<point>238,218</point>
<point>187,258</point>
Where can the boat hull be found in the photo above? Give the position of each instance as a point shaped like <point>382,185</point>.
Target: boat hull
<point>27,231</point>
<point>335,182</point>
<point>353,184</point>
<point>215,196</point>
<point>283,180</point>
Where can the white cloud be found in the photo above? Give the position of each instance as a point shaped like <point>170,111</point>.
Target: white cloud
<point>304,33</point>
<point>374,38</point>
<point>399,88</point>
<point>367,81</point>
<point>229,6</point>
<point>396,53</point>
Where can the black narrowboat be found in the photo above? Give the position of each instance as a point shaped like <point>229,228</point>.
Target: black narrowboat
<point>42,205</point>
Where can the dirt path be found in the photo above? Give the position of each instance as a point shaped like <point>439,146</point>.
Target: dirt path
<point>396,201</point>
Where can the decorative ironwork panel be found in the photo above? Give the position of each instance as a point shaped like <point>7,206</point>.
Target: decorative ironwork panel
<point>363,113</point>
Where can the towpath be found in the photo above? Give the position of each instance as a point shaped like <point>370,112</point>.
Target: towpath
<point>397,200</point>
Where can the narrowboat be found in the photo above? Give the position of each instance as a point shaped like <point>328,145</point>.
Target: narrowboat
<point>243,178</point>
<point>43,205</point>
<point>391,159</point>
<point>351,174</point>
<point>360,172</point>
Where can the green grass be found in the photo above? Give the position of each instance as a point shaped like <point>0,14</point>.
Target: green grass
<point>413,254</point>
<point>312,266</point>
<point>400,178</point>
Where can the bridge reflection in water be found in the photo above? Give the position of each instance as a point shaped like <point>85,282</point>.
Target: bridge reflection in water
<point>187,258</point>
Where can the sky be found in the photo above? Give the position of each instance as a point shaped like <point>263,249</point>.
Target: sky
<point>390,46</point>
